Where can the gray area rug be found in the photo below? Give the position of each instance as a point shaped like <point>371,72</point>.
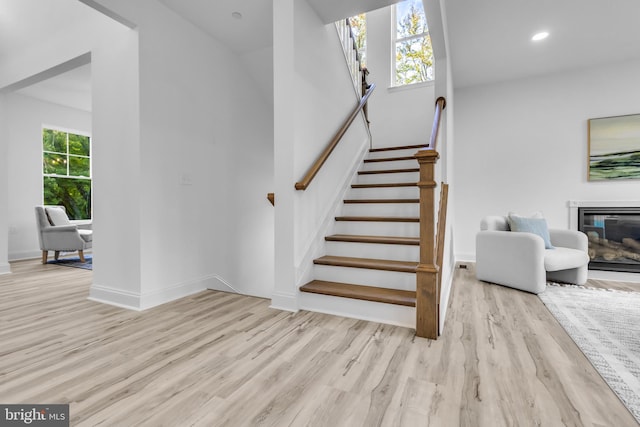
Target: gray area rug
<point>605,325</point>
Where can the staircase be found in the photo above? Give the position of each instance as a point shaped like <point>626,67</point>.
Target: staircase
<point>373,251</point>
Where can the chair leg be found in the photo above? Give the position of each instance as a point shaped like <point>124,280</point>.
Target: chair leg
<point>45,254</point>
<point>81,255</point>
<point>56,255</point>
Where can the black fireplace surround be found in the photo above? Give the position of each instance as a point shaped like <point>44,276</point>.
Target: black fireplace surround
<point>614,237</point>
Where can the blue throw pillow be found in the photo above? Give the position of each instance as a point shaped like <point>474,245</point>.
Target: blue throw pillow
<point>537,226</point>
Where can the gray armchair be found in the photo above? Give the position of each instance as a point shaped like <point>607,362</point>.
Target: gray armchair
<point>57,233</point>
<point>519,260</point>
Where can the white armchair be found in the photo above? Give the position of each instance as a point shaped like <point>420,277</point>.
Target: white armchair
<point>519,260</point>
<point>57,233</point>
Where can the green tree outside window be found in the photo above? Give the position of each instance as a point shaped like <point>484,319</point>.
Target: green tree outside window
<point>359,27</point>
<point>66,169</point>
<point>413,53</point>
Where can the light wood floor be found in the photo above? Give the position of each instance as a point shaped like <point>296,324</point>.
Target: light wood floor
<point>218,359</point>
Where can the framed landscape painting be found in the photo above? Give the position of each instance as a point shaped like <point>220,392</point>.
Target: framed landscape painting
<point>614,148</point>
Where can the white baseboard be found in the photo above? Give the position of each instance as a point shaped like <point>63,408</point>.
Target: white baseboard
<point>217,283</point>
<point>20,256</point>
<point>5,269</point>
<point>466,257</point>
<point>26,255</point>
<point>162,296</point>
<point>116,297</point>
<point>616,276</point>
<point>284,301</point>
<point>138,302</point>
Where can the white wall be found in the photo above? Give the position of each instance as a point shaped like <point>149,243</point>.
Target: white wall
<point>203,171</point>
<point>26,117</point>
<point>522,145</point>
<point>4,223</point>
<point>399,116</point>
<point>259,64</point>
<point>313,95</point>
<point>116,167</point>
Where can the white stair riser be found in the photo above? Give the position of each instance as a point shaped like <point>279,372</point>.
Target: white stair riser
<point>396,164</point>
<point>381,209</point>
<point>392,153</point>
<point>359,309</point>
<point>379,178</point>
<point>384,193</point>
<point>366,276</point>
<point>370,228</point>
<point>373,250</point>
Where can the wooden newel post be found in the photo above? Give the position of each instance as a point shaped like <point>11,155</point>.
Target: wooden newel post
<point>427,297</point>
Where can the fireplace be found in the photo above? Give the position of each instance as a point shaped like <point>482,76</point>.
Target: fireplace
<point>614,237</point>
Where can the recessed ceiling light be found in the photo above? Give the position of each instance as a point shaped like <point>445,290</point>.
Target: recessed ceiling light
<point>236,15</point>
<point>540,36</point>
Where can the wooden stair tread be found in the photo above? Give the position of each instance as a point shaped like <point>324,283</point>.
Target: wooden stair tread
<point>378,218</point>
<point>390,240</point>
<point>385,185</point>
<point>382,201</point>
<point>408,170</point>
<point>389,159</point>
<point>372,264</point>
<point>367,293</point>
<point>400,147</point>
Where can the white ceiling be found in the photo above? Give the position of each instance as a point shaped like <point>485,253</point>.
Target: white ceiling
<point>252,32</point>
<point>490,40</point>
<point>334,10</point>
<point>25,22</point>
<point>255,30</point>
<point>71,89</point>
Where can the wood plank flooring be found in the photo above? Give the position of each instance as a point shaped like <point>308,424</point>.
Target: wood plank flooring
<point>219,359</point>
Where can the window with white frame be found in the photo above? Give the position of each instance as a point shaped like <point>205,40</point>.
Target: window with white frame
<point>413,54</point>
<point>66,171</point>
<point>359,27</point>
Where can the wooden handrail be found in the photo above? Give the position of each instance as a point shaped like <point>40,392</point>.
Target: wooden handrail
<point>428,271</point>
<point>441,104</point>
<point>322,158</point>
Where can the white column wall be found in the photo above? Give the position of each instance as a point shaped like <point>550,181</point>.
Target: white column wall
<point>116,170</point>
<point>313,95</point>
<point>285,290</point>
<point>324,97</point>
<point>522,145</point>
<point>4,223</point>
<point>204,171</point>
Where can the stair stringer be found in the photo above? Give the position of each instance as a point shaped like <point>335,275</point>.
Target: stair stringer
<point>447,270</point>
<point>316,245</point>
